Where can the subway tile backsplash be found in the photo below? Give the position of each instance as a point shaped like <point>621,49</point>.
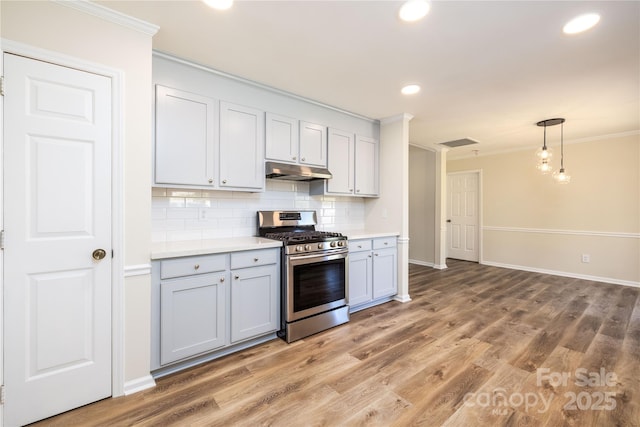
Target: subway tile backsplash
<point>179,214</point>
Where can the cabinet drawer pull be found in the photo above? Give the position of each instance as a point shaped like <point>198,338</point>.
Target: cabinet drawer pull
<point>359,246</point>
<point>256,259</point>
<point>386,243</point>
<point>197,266</point>
<point>210,181</point>
<point>376,254</point>
<point>221,279</point>
<point>236,277</point>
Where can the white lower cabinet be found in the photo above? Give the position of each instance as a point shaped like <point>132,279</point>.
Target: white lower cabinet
<point>208,304</point>
<point>373,267</point>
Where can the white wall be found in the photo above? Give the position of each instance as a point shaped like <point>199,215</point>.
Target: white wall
<point>51,26</point>
<point>532,223</point>
<point>203,214</point>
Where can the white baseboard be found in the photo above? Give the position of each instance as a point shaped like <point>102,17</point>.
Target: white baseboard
<point>423,263</point>
<point>138,384</point>
<point>564,274</point>
<point>440,266</point>
<point>402,298</point>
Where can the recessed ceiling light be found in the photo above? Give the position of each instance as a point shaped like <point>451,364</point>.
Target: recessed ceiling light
<point>413,10</point>
<point>410,89</point>
<point>219,4</point>
<point>581,23</point>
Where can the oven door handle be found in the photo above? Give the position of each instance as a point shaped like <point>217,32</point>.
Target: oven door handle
<point>323,257</point>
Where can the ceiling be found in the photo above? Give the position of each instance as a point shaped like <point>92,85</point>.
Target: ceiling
<point>489,70</point>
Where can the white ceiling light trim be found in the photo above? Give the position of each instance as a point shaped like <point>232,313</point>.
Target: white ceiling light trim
<point>410,89</point>
<point>581,23</point>
<point>219,4</point>
<point>414,10</point>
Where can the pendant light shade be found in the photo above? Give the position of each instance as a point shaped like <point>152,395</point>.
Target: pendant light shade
<point>561,177</point>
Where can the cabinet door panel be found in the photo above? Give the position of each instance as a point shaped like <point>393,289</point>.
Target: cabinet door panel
<point>385,275</point>
<point>360,279</point>
<point>192,316</point>
<point>340,164</point>
<point>313,144</point>
<point>255,308</point>
<point>185,138</point>
<point>281,138</point>
<point>241,147</point>
<point>366,165</point>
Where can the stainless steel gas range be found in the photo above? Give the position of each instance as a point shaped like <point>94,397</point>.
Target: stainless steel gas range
<point>314,273</point>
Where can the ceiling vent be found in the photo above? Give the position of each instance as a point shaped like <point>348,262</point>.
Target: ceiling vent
<point>459,142</point>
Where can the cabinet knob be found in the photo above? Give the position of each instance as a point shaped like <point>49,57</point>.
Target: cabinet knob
<point>376,254</point>
<point>357,191</point>
<point>255,259</point>
<point>224,181</point>
<point>236,277</point>
<point>221,279</point>
<point>386,243</point>
<point>293,158</point>
<point>303,159</point>
<point>210,181</point>
<point>369,255</point>
<point>359,246</point>
<point>351,190</point>
<point>197,266</point>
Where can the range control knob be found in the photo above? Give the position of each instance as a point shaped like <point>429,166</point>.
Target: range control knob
<point>333,244</point>
<point>340,242</point>
<point>307,247</point>
<point>299,249</point>
<point>320,246</point>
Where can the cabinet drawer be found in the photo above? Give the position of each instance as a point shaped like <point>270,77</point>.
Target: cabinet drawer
<point>192,265</point>
<point>386,242</point>
<point>254,258</point>
<point>359,245</point>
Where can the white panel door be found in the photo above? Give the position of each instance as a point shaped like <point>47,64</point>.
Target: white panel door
<point>57,211</point>
<point>360,279</point>
<point>463,218</point>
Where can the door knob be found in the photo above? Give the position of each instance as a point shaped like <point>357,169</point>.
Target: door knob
<point>448,220</point>
<point>98,254</point>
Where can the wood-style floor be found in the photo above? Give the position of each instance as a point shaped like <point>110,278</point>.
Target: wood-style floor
<point>477,346</point>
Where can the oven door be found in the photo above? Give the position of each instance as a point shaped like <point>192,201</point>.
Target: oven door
<point>315,283</point>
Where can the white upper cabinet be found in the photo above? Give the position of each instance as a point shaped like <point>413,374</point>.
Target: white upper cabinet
<point>313,144</point>
<point>353,162</point>
<point>341,162</point>
<point>186,138</point>
<point>366,166</point>
<point>241,147</point>
<point>281,138</point>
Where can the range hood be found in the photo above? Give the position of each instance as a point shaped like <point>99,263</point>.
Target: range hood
<point>289,172</point>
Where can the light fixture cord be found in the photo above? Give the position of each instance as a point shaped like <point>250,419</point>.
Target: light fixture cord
<point>562,146</point>
<point>544,144</point>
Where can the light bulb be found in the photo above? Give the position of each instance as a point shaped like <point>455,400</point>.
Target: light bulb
<point>544,167</point>
<point>581,23</point>
<point>544,153</point>
<point>561,177</point>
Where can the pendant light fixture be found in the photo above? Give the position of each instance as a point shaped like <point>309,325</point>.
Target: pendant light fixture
<point>544,154</point>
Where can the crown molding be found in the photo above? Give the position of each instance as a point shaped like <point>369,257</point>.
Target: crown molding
<point>110,15</point>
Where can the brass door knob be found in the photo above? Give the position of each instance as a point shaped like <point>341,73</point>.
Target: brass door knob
<point>99,254</point>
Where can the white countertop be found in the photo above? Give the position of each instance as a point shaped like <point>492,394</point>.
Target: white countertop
<point>367,234</point>
<point>161,250</point>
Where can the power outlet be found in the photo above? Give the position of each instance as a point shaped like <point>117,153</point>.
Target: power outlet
<point>586,258</point>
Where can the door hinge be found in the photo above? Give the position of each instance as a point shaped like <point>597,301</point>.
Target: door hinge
<point>1,85</point>
<point>2,394</point>
<point>1,239</point>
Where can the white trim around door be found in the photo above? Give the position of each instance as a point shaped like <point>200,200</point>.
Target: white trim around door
<point>117,202</point>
